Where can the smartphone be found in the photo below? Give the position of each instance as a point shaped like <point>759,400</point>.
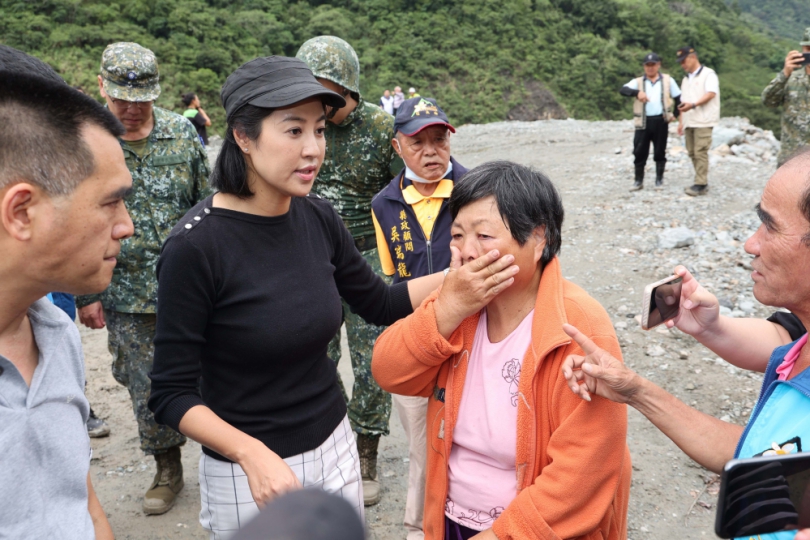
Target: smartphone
<point>662,302</point>
<point>805,59</point>
<point>765,494</point>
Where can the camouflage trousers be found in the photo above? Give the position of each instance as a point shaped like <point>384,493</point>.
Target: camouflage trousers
<point>370,406</point>
<point>130,337</point>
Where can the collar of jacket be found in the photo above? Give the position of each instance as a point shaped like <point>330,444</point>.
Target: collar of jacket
<point>549,316</point>
<point>354,114</point>
<point>162,129</point>
<point>547,335</point>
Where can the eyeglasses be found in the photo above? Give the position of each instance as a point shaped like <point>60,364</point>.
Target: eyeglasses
<point>124,105</point>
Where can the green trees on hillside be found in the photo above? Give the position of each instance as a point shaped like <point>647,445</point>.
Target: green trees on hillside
<point>478,57</point>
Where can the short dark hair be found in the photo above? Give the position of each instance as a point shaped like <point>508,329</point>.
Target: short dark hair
<point>18,62</point>
<point>188,98</point>
<point>40,131</point>
<point>526,200</point>
<point>230,173</point>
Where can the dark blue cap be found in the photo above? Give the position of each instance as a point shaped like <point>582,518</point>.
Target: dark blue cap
<point>417,113</point>
<point>683,52</point>
<point>651,58</point>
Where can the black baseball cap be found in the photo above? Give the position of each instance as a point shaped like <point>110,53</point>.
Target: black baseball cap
<point>417,113</point>
<point>651,58</point>
<point>683,52</point>
<point>272,82</point>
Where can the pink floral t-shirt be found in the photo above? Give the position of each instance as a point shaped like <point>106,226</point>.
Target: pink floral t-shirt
<point>481,469</point>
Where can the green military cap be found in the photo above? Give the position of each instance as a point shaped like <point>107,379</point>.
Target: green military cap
<point>130,72</point>
<point>806,38</point>
<point>333,59</point>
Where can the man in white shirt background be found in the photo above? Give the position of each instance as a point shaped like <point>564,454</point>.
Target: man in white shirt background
<point>387,102</point>
<point>700,113</point>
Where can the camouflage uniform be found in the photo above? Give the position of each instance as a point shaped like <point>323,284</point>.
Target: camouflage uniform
<point>793,94</point>
<point>168,178</point>
<point>359,162</point>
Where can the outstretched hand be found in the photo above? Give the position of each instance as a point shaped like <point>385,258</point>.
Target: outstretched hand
<point>700,310</point>
<point>469,287</point>
<point>598,372</point>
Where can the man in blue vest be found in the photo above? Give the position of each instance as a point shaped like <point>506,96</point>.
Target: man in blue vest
<point>777,425</point>
<point>412,223</point>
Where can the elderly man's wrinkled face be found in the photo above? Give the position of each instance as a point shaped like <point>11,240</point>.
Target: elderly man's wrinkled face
<point>479,228</point>
<point>426,153</point>
<point>779,246</point>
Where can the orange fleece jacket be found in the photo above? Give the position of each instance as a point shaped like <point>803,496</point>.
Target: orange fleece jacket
<point>572,462</point>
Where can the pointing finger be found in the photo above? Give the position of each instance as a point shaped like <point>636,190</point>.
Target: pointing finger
<point>582,340</point>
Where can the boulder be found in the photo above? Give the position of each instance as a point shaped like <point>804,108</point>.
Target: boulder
<point>727,135</point>
<point>676,237</point>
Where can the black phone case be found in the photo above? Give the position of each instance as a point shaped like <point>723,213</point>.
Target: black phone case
<point>758,501</point>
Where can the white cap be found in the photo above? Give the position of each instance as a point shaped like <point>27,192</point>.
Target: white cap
<point>411,90</point>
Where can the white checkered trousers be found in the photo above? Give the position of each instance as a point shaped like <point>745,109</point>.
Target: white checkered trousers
<point>227,504</point>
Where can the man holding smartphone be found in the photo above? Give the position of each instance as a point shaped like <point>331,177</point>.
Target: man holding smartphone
<point>781,256</point>
<point>790,89</point>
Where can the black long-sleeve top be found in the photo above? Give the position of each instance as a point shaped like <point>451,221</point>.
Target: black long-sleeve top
<point>247,306</point>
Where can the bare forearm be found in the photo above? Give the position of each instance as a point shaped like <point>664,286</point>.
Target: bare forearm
<point>101,524</point>
<point>746,343</point>
<point>202,112</point>
<point>420,288</point>
<point>707,440</point>
<point>202,425</point>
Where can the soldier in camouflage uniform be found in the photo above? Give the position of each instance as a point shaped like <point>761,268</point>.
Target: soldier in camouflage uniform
<point>169,170</point>
<point>791,90</point>
<point>359,162</point>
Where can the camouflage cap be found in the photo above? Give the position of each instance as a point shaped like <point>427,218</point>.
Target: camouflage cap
<point>130,72</point>
<point>805,38</point>
<point>333,59</point>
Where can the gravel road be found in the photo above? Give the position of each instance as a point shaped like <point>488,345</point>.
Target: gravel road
<point>611,248</point>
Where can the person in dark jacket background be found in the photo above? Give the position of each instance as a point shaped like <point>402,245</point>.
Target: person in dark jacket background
<point>413,239</point>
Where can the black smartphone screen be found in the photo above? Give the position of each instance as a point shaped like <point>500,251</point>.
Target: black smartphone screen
<point>764,495</point>
<point>665,302</point>
<point>805,59</point>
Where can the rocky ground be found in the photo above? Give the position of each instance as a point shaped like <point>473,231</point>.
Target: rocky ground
<point>614,243</point>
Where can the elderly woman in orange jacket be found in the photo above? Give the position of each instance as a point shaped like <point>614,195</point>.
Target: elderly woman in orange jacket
<point>512,453</point>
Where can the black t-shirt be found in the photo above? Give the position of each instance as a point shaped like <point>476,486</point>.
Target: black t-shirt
<point>199,124</point>
<point>247,306</point>
<point>790,322</point>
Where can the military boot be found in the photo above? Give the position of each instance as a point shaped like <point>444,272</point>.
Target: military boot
<point>367,448</point>
<point>167,484</point>
<point>659,174</point>
<point>639,183</point>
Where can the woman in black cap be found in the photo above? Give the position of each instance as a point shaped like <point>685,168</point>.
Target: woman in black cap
<point>250,287</point>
